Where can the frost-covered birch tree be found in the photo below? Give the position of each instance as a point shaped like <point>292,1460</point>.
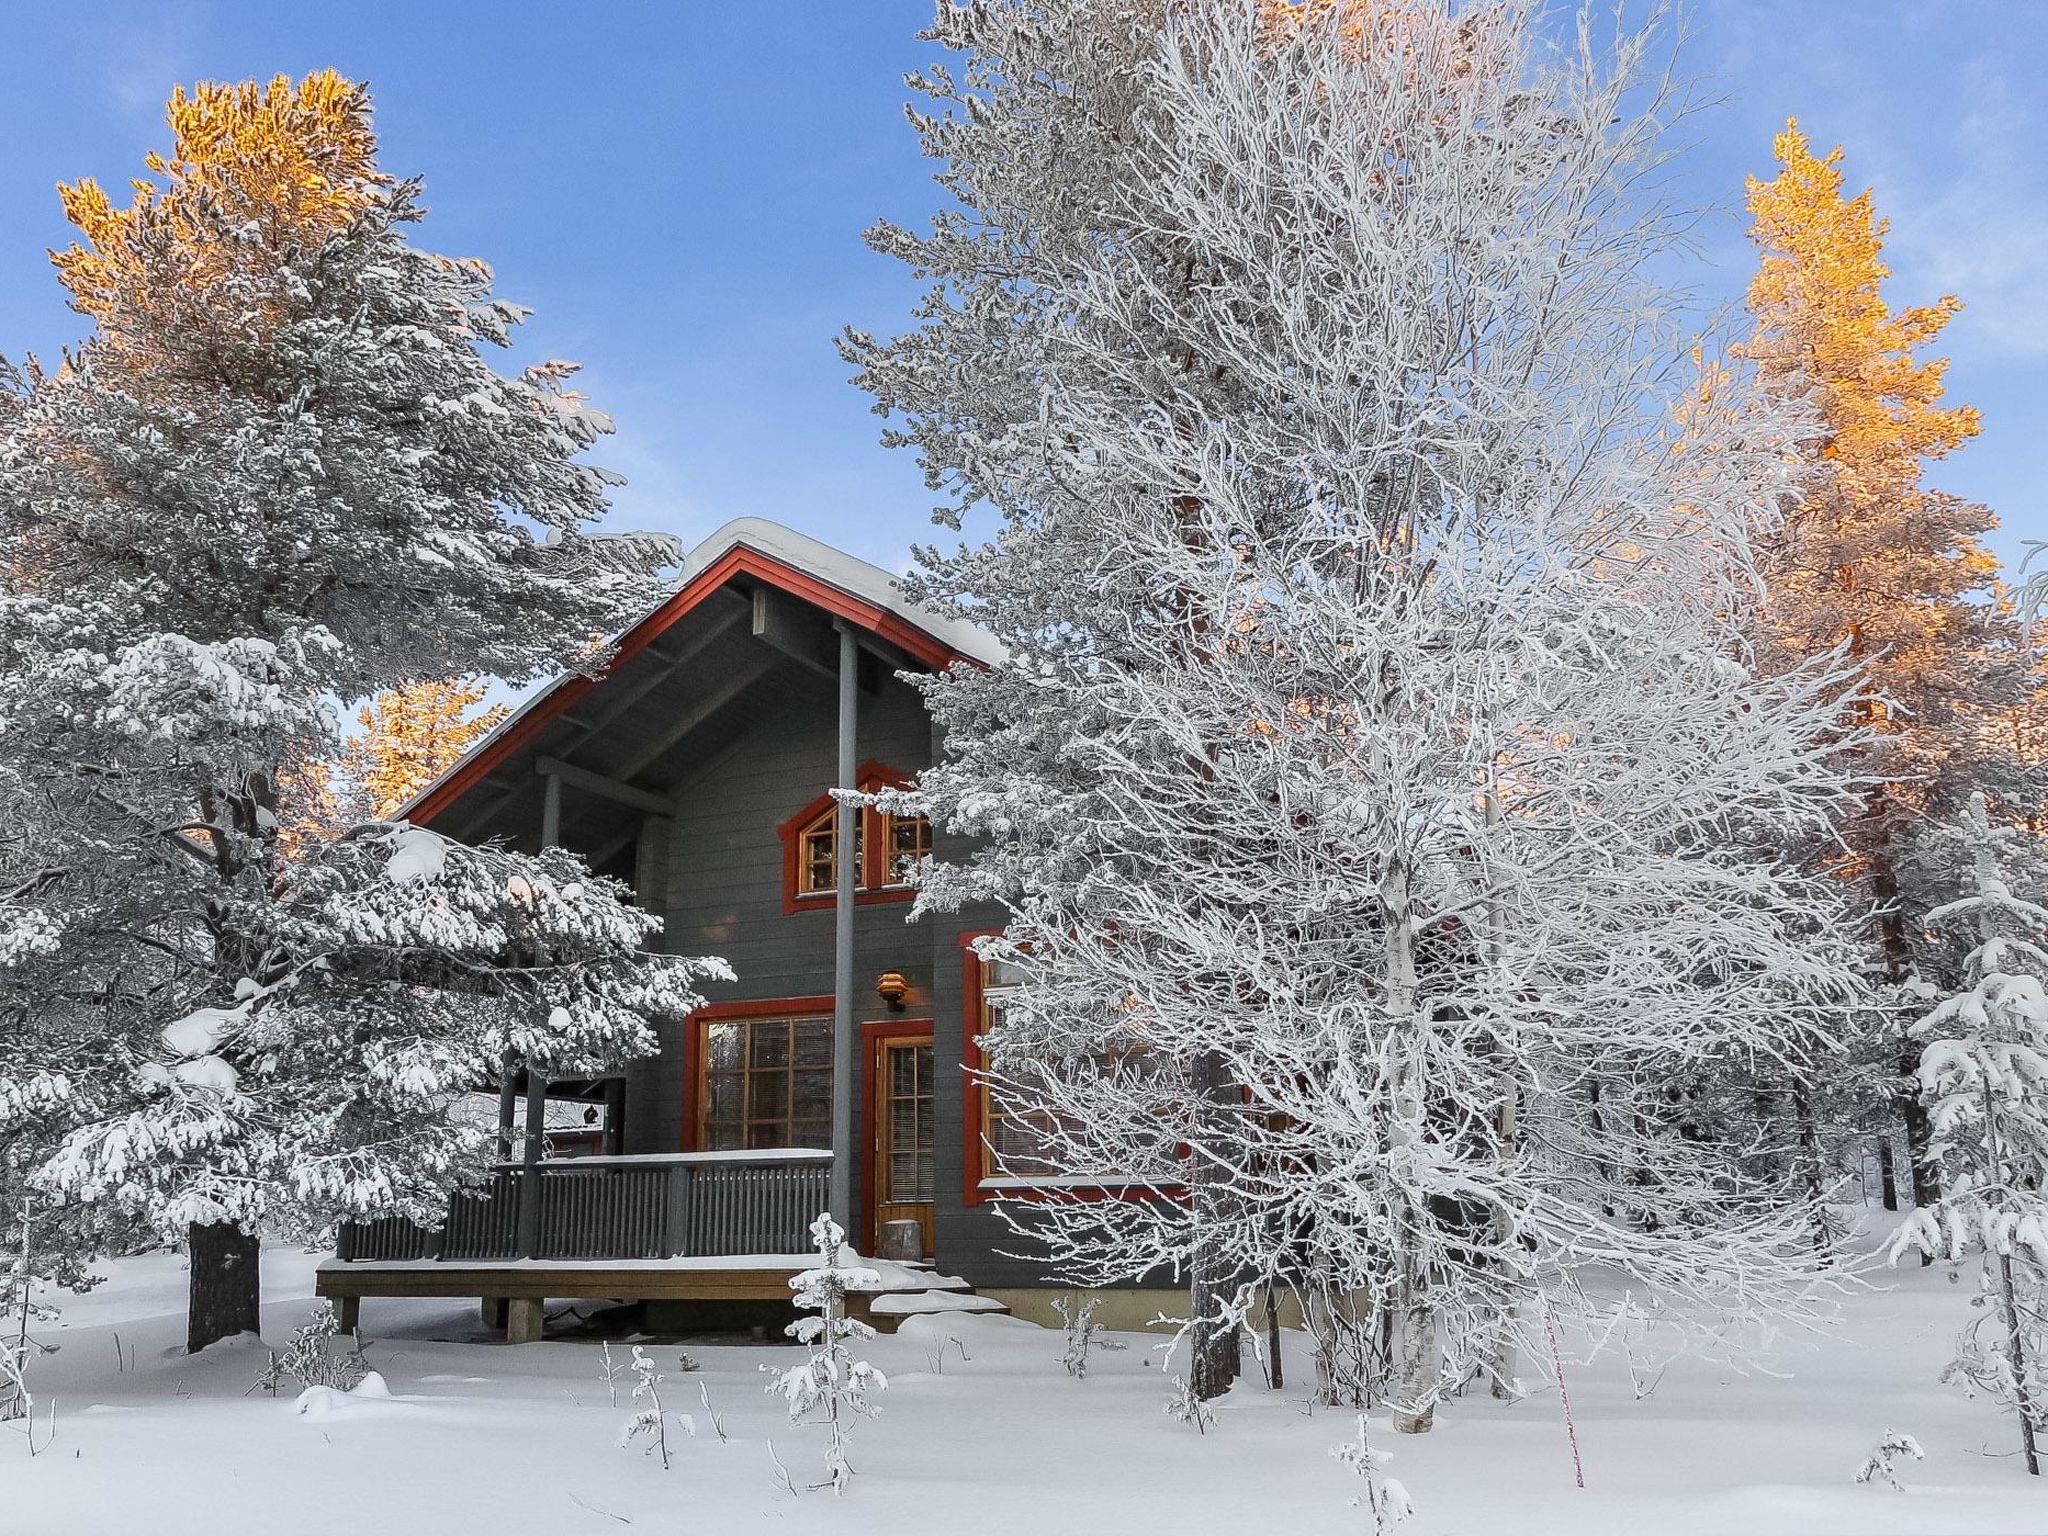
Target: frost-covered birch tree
<point>1368,771</point>
<point>278,474</point>
<point>1984,1079</point>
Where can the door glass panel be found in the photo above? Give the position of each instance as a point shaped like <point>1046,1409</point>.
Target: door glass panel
<point>907,1163</point>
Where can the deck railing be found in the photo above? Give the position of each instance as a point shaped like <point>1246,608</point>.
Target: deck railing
<point>661,1206</point>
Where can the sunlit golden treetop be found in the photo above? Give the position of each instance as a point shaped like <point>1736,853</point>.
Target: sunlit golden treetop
<point>1820,313</point>
<point>1871,558</point>
<point>286,158</point>
<point>412,733</point>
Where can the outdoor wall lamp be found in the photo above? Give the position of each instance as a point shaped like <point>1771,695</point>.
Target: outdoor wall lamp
<point>892,989</point>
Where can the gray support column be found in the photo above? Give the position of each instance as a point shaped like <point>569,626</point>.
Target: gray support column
<point>551,810</point>
<point>536,1085</point>
<point>508,1102</point>
<point>614,1116</point>
<point>845,1039</point>
<point>529,1178</point>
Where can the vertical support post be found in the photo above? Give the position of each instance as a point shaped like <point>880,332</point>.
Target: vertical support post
<point>528,1231</point>
<point>845,1040</point>
<point>529,1179</point>
<point>551,810</point>
<point>675,1215</point>
<point>508,1102</point>
<point>614,1116</point>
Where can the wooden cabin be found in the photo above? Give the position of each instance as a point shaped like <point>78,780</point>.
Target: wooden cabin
<point>835,1072</point>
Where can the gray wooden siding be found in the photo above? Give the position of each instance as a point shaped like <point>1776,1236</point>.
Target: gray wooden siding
<point>718,885</point>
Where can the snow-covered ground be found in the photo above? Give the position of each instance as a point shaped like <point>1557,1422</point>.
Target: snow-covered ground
<point>988,1436</point>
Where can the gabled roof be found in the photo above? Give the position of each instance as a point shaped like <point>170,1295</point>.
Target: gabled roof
<point>863,595</point>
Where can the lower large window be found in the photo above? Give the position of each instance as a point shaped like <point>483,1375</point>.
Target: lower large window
<point>767,1083</point>
<point>1017,1140</point>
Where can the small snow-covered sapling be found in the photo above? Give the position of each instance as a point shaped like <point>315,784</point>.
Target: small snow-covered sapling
<point>1880,1465</point>
<point>648,1427</point>
<point>1385,1500</point>
<point>311,1362</point>
<point>1184,1407</point>
<point>833,1385</point>
<point>1082,1331</point>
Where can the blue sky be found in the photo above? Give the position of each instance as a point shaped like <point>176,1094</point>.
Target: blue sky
<point>678,191</point>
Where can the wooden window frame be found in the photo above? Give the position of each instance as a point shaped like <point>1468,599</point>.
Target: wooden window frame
<point>871,886</point>
<point>694,1054</point>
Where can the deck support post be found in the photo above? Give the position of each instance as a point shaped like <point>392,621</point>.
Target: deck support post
<point>845,1039</point>
<point>528,1228</point>
<point>529,1173</point>
<point>508,1103</point>
<point>614,1116</point>
<point>348,1313</point>
<point>523,1320</point>
<point>493,1309</point>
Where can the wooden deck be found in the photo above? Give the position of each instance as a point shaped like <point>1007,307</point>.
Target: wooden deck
<point>706,1226</point>
<point>745,1279</point>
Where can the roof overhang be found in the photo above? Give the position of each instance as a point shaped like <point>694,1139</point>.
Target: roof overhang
<point>862,596</point>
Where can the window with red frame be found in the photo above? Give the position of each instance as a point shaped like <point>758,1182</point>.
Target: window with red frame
<point>765,1083</point>
<point>887,848</point>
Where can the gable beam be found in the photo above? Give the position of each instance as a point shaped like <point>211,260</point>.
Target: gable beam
<point>603,784</point>
<point>732,608</point>
<point>735,685</point>
<point>780,622</point>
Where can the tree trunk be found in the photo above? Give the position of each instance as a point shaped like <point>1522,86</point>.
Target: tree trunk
<point>2016,1362</point>
<point>1416,1370</point>
<point>1217,1357</point>
<point>1276,1375</point>
<point>226,1296</point>
<point>1898,965</point>
<point>1811,1172</point>
<point>1887,1174</point>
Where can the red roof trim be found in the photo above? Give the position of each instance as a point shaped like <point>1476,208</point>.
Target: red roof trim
<point>737,561</point>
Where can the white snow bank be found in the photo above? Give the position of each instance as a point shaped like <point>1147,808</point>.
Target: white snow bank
<point>924,1303</point>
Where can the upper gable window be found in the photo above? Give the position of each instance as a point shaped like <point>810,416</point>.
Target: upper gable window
<point>887,849</point>
<point>818,852</point>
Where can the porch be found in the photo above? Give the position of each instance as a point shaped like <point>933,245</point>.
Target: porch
<point>680,1226</point>
<point>698,1227</point>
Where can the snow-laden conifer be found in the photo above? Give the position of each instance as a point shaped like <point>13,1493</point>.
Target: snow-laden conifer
<point>280,474</point>
<point>1373,765</point>
<point>833,1385</point>
<point>1984,1079</point>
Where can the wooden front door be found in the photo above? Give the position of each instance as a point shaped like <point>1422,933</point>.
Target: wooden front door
<point>900,1085</point>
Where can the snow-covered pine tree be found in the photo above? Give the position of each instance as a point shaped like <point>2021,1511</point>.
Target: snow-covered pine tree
<point>1898,574</point>
<point>280,472</point>
<point>1362,776</point>
<point>1984,1078</point>
<point>410,734</point>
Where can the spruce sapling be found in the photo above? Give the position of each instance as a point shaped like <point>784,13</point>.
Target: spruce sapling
<point>1879,1467</point>
<point>833,1385</point>
<point>648,1427</point>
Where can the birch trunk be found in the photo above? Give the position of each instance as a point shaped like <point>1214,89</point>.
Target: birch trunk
<point>1415,1364</point>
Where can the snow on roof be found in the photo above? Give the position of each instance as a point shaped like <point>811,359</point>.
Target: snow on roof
<point>800,552</point>
<point>848,573</point>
